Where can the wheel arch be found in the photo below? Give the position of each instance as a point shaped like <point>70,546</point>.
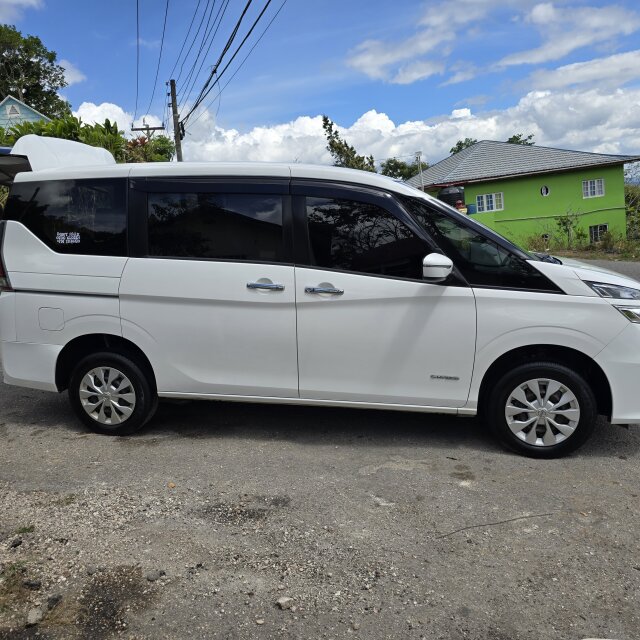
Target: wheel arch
<point>583,364</point>
<point>82,346</point>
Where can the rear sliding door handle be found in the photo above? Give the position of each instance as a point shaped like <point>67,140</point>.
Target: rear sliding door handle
<point>330,290</point>
<point>270,286</point>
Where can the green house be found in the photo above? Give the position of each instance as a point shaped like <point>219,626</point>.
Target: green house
<point>521,191</point>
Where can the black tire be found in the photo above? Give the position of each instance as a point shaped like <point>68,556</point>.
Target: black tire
<point>501,391</point>
<point>146,399</point>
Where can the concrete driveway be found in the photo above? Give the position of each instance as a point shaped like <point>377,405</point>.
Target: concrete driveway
<point>248,521</point>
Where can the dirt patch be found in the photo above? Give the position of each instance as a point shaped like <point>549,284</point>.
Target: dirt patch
<point>13,593</point>
<point>108,599</point>
<point>247,509</point>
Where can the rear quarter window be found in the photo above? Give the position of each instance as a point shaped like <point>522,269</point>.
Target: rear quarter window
<point>86,217</point>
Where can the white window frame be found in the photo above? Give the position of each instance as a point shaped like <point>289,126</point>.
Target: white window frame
<point>593,188</point>
<point>495,199</point>
<point>601,229</point>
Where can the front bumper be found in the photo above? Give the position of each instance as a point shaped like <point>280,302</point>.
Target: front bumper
<point>620,361</point>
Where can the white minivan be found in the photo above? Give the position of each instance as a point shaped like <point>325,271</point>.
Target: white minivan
<point>298,284</point>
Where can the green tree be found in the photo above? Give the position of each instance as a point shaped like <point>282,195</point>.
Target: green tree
<point>344,155</point>
<point>520,138</point>
<point>401,170</point>
<point>462,144</point>
<point>105,135</point>
<point>30,72</point>
<point>568,225</point>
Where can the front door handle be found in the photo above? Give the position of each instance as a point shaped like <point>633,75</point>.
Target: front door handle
<point>331,290</point>
<point>270,286</point>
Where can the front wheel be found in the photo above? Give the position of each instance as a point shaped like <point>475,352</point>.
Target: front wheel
<point>542,410</point>
<point>111,394</point>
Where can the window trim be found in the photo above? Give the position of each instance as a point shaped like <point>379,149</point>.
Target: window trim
<point>598,226</point>
<point>484,201</point>
<point>302,188</point>
<point>138,219</point>
<point>587,184</point>
<point>126,208</point>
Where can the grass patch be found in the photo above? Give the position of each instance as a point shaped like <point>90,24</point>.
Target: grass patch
<point>28,529</point>
<point>65,501</point>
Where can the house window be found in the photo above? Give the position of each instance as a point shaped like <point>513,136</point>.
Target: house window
<point>12,110</point>
<point>490,202</point>
<point>593,188</point>
<point>597,231</point>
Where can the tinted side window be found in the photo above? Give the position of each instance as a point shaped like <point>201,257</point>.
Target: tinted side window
<point>362,237</point>
<point>216,226</point>
<point>482,261</point>
<point>73,216</point>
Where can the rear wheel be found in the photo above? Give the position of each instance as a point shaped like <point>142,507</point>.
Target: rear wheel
<point>542,410</point>
<point>111,394</point>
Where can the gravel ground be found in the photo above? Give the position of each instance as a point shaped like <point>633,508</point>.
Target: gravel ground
<point>226,520</point>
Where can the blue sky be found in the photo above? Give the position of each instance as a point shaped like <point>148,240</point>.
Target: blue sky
<point>396,75</point>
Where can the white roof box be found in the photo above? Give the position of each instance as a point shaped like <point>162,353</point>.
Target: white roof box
<point>54,153</point>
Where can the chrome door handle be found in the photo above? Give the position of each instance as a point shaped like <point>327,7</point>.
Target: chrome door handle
<point>265,285</point>
<point>331,290</point>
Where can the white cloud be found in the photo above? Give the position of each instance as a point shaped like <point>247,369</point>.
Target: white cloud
<point>583,118</point>
<point>401,61</point>
<point>97,113</point>
<point>586,119</point>
<point>571,28</point>
<point>613,71</point>
<point>11,10</point>
<point>418,70</point>
<point>380,59</point>
<point>72,74</point>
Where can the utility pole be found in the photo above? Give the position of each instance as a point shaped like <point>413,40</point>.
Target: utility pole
<point>145,127</point>
<point>419,161</point>
<point>177,133</point>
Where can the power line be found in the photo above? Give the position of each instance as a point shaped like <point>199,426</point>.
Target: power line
<point>216,23</point>
<point>135,113</point>
<point>184,42</point>
<point>195,37</point>
<point>205,35</point>
<point>255,44</point>
<point>203,92</point>
<point>155,82</point>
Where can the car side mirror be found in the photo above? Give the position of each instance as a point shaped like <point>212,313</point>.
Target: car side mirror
<point>436,267</point>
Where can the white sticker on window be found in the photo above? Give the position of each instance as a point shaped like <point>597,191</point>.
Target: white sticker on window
<point>71,237</point>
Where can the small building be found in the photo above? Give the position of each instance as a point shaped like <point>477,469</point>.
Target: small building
<point>14,111</point>
<point>521,191</point>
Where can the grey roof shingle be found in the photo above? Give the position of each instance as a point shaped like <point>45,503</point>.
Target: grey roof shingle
<point>490,160</point>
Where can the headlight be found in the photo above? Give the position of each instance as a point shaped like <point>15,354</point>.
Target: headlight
<point>631,313</point>
<point>614,291</point>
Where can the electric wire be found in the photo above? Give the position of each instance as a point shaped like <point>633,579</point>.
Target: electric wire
<point>135,113</point>
<point>205,35</point>
<point>184,42</point>
<point>206,89</point>
<point>155,82</point>
<point>216,24</point>
<point>255,44</point>
<point>214,70</point>
<point>195,37</point>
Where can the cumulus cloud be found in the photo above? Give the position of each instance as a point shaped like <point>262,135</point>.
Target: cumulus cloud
<point>584,119</point>
<point>97,113</point>
<point>72,74</point>
<point>571,28</point>
<point>11,10</point>
<point>614,71</point>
